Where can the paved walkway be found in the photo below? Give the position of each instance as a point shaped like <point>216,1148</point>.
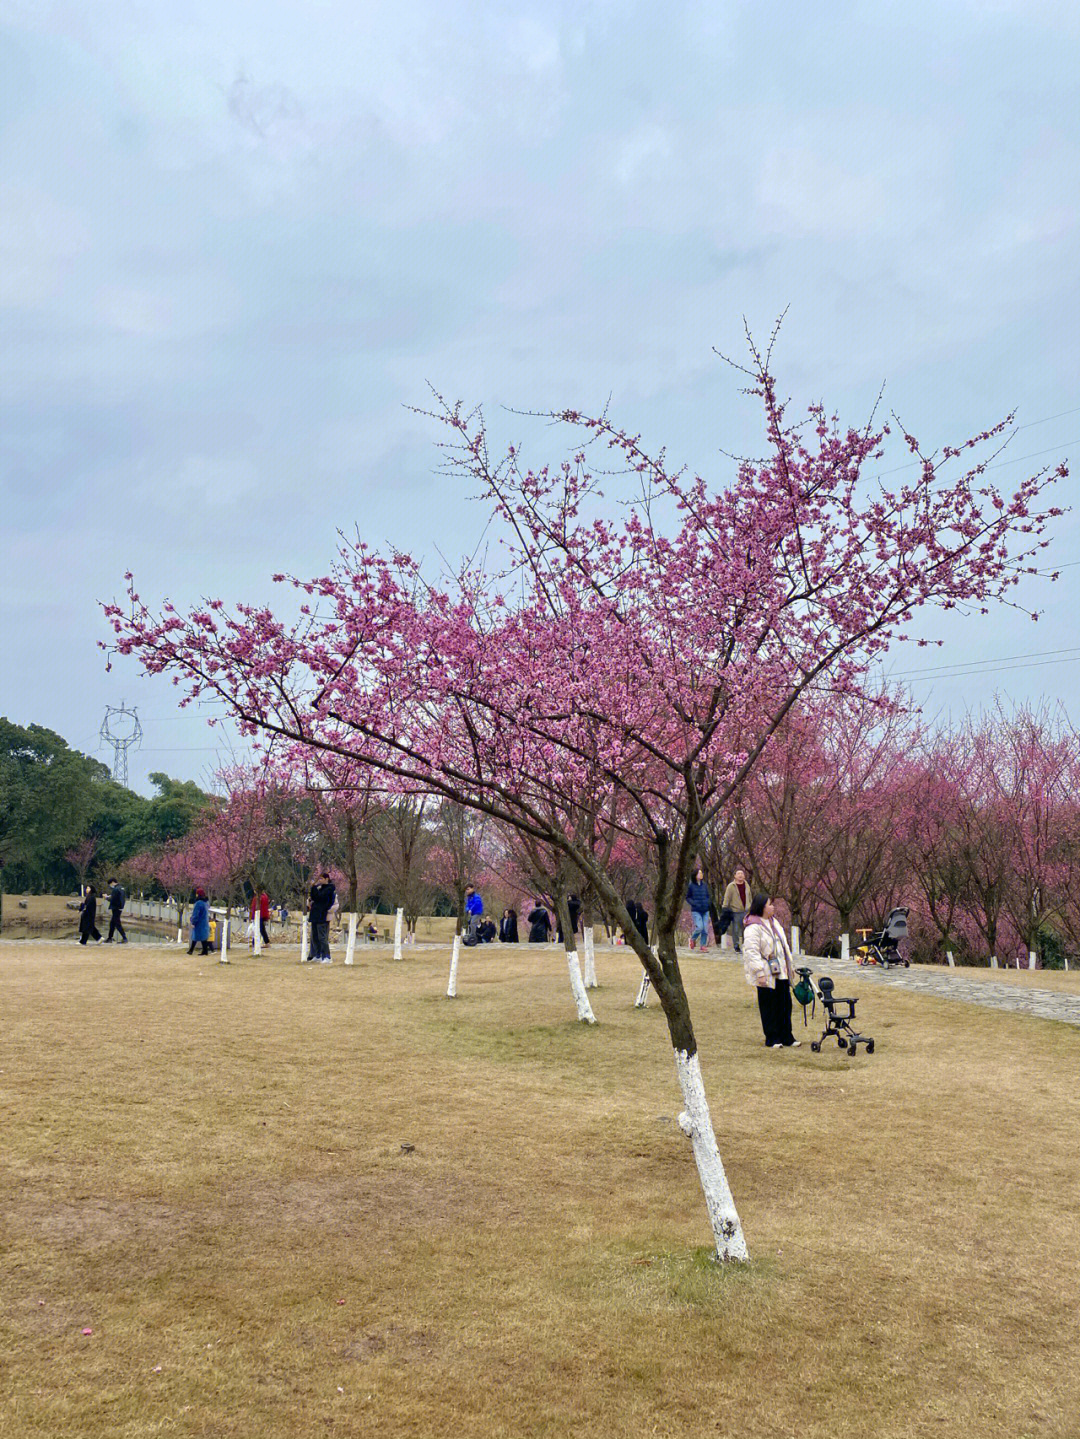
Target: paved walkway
<point>951,984</point>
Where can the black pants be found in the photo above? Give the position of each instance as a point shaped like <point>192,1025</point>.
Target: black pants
<point>205,946</point>
<point>115,926</point>
<point>775,1008</point>
<point>85,934</point>
<point>320,939</point>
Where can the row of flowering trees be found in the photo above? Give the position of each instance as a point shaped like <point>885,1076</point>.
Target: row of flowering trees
<point>620,663</point>
<point>976,828</point>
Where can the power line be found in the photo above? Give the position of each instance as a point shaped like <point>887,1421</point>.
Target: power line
<point>1002,669</point>
<point>997,465</point>
<point>992,660</point>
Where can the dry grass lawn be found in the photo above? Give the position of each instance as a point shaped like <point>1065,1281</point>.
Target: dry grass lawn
<point>204,1167</point>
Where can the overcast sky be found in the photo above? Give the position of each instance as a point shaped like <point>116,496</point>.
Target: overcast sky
<point>239,237</point>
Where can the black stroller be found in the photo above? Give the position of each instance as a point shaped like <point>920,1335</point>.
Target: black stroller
<point>883,948</point>
<point>838,1021</point>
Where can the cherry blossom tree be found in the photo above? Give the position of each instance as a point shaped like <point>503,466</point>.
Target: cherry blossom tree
<point>673,641</point>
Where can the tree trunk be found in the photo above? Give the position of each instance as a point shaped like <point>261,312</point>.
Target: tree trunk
<point>589,940</point>
<point>350,859</point>
<point>695,1121</point>
<point>581,998</point>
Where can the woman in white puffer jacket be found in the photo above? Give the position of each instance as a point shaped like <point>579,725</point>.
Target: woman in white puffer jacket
<point>768,966</point>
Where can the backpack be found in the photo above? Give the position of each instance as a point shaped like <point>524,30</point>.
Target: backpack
<point>803,993</point>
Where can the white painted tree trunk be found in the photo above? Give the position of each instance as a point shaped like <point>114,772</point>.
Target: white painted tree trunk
<point>795,937</point>
<point>1031,959</point>
<point>993,961</point>
<point>305,940</point>
<point>696,1122</point>
<point>451,988</point>
<point>223,954</point>
<point>950,958</point>
<point>350,943</point>
<point>179,936</point>
<point>256,931</point>
<point>581,999</point>
<point>1066,958</point>
<point>397,933</point>
<point>845,946</point>
<point>643,993</point>
<point>590,958</point>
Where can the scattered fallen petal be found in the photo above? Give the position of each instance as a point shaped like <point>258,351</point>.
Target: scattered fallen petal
<point>340,1390</point>
<point>88,1331</point>
<point>156,1369</point>
<point>341,1301</point>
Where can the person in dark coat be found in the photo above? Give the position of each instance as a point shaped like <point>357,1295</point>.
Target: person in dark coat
<point>320,902</point>
<point>487,931</point>
<point>88,916</point>
<point>508,930</point>
<point>539,924</point>
<point>117,900</point>
<point>637,913</point>
<point>200,923</point>
<point>573,904</point>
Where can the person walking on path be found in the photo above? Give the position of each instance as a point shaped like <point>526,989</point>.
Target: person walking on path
<point>699,900</point>
<point>260,904</point>
<point>508,930</point>
<point>474,908</point>
<point>539,924</point>
<point>321,900</point>
<point>117,900</point>
<point>767,964</point>
<point>88,916</point>
<point>734,908</point>
<point>200,923</point>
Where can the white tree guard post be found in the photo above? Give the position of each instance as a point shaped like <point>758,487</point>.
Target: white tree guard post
<point>581,998</point>
<point>696,1122</point>
<point>590,958</point>
<point>397,933</point>
<point>451,988</point>
<point>256,929</point>
<point>223,953</point>
<point>643,993</point>
<point>951,960</point>
<point>305,940</point>
<point>993,961</point>
<point>350,943</point>
<point>845,946</point>
<point>1031,959</point>
<point>795,938</point>
<point>179,936</point>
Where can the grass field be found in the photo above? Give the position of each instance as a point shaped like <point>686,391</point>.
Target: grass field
<point>204,1167</point>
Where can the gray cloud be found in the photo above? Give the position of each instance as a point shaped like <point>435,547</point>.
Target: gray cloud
<point>236,239</point>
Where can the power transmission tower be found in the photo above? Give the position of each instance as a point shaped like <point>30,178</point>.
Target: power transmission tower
<point>121,729</point>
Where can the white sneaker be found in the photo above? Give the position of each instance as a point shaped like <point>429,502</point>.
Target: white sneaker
<point>795,1044</point>
<point>774,1046</point>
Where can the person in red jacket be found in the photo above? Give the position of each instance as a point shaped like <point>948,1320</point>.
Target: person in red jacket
<point>264,915</point>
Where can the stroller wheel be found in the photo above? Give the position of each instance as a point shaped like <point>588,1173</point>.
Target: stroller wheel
<point>815,1045</point>
<point>869,1046</point>
<point>852,1047</point>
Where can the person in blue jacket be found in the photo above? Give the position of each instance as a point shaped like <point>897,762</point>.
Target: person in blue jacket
<point>474,908</point>
<point>200,923</point>
<point>698,898</point>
